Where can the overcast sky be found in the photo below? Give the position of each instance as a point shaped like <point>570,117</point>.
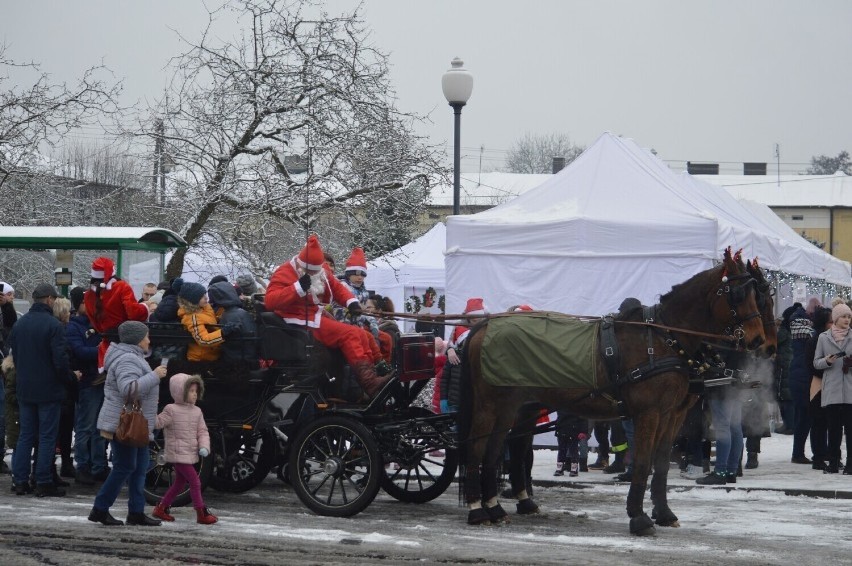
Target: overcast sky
<point>703,80</point>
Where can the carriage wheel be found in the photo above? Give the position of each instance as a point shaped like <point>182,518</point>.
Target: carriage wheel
<point>161,474</point>
<point>247,467</point>
<point>420,468</point>
<point>335,466</point>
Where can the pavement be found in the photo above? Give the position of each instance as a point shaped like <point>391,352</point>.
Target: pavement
<point>775,472</point>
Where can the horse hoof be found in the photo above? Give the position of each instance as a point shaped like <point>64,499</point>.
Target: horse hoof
<point>497,514</point>
<point>478,517</point>
<point>527,507</point>
<point>665,518</point>
<point>642,526</point>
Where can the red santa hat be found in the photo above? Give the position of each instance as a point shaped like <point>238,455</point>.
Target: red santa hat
<point>103,268</point>
<point>475,305</point>
<point>311,256</point>
<point>523,308</point>
<point>356,262</point>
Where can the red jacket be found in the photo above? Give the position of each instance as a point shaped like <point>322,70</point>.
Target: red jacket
<point>285,296</point>
<point>118,304</point>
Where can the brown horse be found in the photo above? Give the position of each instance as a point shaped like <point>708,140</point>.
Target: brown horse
<point>720,298</point>
<point>763,294</point>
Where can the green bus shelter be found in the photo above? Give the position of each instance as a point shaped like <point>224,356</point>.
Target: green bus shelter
<point>141,250</point>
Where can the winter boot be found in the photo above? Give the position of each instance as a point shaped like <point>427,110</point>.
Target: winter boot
<point>602,461</point>
<point>833,467</point>
<point>162,513</point>
<point>367,378</point>
<point>48,490</point>
<point>560,469</point>
<point>66,469</point>
<point>716,478</point>
<point>617,465</point>
<point>142,520</point>
<point>751,461</point>
<point>205,517</point>
<point>575,469</point>
<point>104,518</point>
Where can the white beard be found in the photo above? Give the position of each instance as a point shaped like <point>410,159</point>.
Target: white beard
<point>318,285</point>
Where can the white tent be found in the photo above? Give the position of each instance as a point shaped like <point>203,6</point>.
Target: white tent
<point>615,223</point>
<point>411,269</point>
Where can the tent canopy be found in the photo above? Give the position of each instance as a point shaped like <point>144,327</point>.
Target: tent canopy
<point>418,264</point>
<point>615,223</point>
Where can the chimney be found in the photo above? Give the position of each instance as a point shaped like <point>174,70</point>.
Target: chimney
<point>702,168</point>
<point>558,164</point>
<point>754,168</point>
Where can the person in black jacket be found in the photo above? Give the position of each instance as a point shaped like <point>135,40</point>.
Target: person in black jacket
<point>8,317</point>
<point>167,310</point>
<point>819,419</point>
<point>240,347</point>
<point>89,445</point>
<point>41,360</point>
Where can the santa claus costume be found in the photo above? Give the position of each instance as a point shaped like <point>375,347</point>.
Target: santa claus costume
<point>297,292</point>
<point>109,302</point>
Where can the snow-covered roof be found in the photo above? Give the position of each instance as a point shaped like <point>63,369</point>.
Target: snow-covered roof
<point>487,189</point>
<point>787,190</point>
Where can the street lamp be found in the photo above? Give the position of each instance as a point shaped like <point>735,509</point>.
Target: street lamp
<point>457,84</point>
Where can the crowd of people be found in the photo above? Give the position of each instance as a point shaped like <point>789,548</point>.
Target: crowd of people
<point>71,365</point>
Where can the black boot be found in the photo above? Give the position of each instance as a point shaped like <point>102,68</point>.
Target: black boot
<point>617,465</point>
<point>832,468</point>
<point>48,490</point>
<point>142,520</point>
<point>103,517</point>
<point>751,461</point>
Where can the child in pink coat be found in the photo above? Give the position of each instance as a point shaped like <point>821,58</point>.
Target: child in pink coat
<point>186,439</point>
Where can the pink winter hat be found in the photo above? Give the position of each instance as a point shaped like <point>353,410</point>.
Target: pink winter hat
<point>839,311</point>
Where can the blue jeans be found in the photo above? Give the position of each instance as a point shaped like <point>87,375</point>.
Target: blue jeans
<point>41,419</point>
<point>726,408</point>
<point>129,465</point>
<point>89,445</point>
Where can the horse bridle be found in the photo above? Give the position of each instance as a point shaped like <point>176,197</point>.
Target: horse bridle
<point>736,295</point>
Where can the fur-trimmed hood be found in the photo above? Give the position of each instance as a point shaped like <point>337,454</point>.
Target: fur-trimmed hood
<point>179,386</point>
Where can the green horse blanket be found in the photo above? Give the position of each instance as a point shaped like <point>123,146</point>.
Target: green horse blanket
<point>544,349</point>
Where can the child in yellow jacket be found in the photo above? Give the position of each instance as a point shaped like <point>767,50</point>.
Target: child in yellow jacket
<point>198,318</point>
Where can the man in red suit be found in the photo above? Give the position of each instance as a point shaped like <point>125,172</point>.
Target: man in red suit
<point>109,302</point>
<point>297,292</point>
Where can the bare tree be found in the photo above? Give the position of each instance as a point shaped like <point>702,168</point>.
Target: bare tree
<point>825,165</point>
<point>35,117</point>
<point>295,122</point>
<point>534,153</point>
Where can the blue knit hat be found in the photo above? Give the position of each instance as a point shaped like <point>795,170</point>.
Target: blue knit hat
<point>192,292</point>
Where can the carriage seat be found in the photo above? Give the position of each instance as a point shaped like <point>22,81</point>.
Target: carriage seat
<point>281,341</point>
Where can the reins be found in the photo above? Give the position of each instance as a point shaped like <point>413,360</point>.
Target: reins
<point>457,318</point>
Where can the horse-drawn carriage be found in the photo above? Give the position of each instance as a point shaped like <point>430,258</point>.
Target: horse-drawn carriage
<point>297,414</point>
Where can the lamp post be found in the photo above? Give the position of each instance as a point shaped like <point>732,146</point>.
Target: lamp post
<point>457,84</point>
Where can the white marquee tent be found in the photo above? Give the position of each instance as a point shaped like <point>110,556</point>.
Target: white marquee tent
<point>411,269</point>
<point>615,223</point>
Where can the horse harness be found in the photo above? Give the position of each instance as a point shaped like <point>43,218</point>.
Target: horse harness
<point>704,364</point>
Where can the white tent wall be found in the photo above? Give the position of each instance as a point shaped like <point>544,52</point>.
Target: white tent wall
<point>617,222</point>
<point>410,269</point>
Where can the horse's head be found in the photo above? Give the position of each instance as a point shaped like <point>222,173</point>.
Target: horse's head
<point>732,302</point>
<point>763,294</point>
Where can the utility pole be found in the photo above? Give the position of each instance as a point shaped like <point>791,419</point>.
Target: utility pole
<point>778,163</point>
<point>159,163</point>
